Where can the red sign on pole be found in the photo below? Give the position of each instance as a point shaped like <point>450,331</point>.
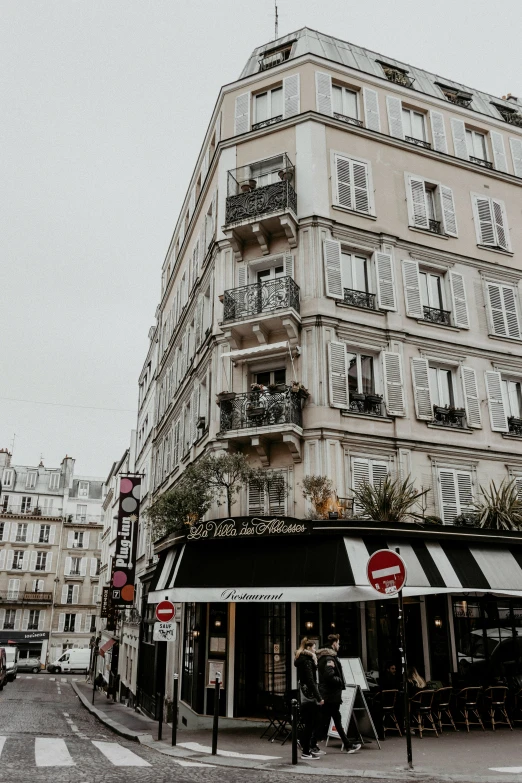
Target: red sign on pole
<point>386,572</point>
<point>165,611</point>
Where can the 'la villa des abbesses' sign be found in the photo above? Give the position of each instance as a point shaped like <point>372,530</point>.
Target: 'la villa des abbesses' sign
<point>247,527</point>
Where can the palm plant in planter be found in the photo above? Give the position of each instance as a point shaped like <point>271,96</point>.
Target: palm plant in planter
<point>500,508</point>
<point>390,500</point>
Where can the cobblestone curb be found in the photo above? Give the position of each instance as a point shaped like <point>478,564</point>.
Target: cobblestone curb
<point>119,728</point>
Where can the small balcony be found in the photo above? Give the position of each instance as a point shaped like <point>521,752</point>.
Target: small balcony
<point>449,417</point>
<point>261,202</point>
<point>486,164</point>
<point>260,298</point>
<point>261,409</point>
<point>436,316</point>
<point>515,426</point>
<point>267,123</point>
<point>359,299</point>
<point>418,142</point>
<point>348,120</point>
<point>19,597</point>
<point>368,404</point>
<point>435,226</point>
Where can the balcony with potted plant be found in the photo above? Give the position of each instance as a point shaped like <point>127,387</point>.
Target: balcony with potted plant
<point>449,416</point>
<point>366,403</point>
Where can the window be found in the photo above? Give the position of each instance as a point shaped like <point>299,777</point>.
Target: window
<point>18,559</point>
<point>34,620</point>
<point>355,272</point>
<point>8,478</point>
<point>78,538</point>
<point>54,481</point>
<point>83,489</point>
<point>396,74</point>
<point>268,105</point>
<point>459,97</point>
<point>270,377</point>
<point>13,589</point>
<point>476,145</point>
<point>426,294</point>
<point>25,506</point>
<point>70,623</point>
<point>431,289</point>
<point>92,628</point>
<point>271,59</point>
<point>45,534</point>
<point>441,387</point>
<point>512,396</point>
<point>98,566</point>
<point>344,102</point>
<point>361,377</point>
<point>41,561</point>
<point>2,530</point>
<point>47,507</point>
<point>352,184</point>
<point>30,479</point>
<point>5,503</point>
<point>491,222</point>
<point>414,124</point>
<point>367,471</point>
<point>270,497</point>
<point>81,513</point>
<point>75,566</point>
<point>431,206</point>
<point>38,585</point>
<point>503,311</point>
<point>21,533</point>
<point>436,387</point>
<point>9,619</point>
<point>455,493</point>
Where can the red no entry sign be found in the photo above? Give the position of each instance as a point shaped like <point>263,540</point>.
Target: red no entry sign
<point>165,611</point>
<point>386,572</point>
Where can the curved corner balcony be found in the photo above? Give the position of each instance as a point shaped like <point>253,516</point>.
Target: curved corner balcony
<point>262,308</point>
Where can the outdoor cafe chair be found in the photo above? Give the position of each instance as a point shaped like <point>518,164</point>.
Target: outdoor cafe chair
<point>387,700</point>
<point>468,706</point>
<point>442,708</point>
<point>421,712</point>
<point>495,698</point>
<point>278,718</point>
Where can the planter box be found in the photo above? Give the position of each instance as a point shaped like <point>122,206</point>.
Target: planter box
<point>223,396</point>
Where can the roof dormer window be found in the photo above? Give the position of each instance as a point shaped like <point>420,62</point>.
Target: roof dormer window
<point>396,75</point>
<point>509,115</point>
<point>274,57</point>
<point>459,97</point>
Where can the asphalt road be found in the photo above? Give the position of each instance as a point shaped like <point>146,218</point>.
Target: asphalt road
<point>47,735</point>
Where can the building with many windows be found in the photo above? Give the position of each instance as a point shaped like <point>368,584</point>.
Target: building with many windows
<point>50,524</point>
<point>341,297</point>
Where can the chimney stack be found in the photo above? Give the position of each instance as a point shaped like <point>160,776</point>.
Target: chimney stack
<point>5,458</point>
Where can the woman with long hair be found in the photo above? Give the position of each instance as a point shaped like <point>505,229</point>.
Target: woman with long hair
<point>416,683</point>
<point>306,664</point>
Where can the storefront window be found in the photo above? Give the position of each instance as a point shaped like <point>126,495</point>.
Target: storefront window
<point>318,621</point>
<point>193,656</point>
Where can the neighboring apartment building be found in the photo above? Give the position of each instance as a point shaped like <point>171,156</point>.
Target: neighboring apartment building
<point>352,225</point>
<point>46,606</point>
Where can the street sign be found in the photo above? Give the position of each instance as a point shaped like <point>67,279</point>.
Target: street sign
<point>164,632</point>
<point>165,611</point>
<point>386,572</point>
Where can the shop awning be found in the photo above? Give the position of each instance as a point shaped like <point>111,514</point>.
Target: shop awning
<point>331,568</point>
<point>107,646</point>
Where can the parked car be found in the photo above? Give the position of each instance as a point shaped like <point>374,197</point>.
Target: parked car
<point>3,669</point>
<point>11,657</point>
<point>75,660</point>
<point>29,665</point>
<point>503,653</point>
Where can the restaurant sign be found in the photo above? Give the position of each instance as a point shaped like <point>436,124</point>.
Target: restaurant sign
<point>247,527</point>
<point>124,559</point>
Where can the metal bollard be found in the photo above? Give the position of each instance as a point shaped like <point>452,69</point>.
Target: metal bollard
<point>175,710</point>
<point>295,720</point>
<point>159,710</point>
<point>215,724</point>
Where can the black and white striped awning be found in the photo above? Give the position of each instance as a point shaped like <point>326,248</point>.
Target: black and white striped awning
<point>333,567</point>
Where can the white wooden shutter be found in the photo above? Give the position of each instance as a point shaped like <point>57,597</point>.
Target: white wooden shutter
<point>503,310</point>
<point>360,476</point>
<point>61,622</point>
<point>76,593</point>
<point>214,216</point>
<point>29,536</point>
<point>458,130</point>
<point>516,155</point>
<point>393,383</point>
<point>323,93</point>
<point>25,561</point>
<point>464,490</point>
<point>499,153</point>
<point>242,114</point>
<point>338,375</point>
<point>36,533</point>
<point>289,265</point>
<point>68,565</point>
<point>344,184</point>
<point>5,534</point>
<point>448,495</point>
<point>199,321</point>
<point>192,202</point>
<point>379,471</point>
<point>421,388</point>
<point>94,565</point>
<point>32,564</point>
<point>2,618</point>
<point>458,295</point>
<point>500,221</point>
<point>410,271</point>
<point>394,107</point>
<point>497,410</point>
<point>10,558</point>
<point>471,397</point>
<point>18,619</point>
<point>41,620</point>
<point>70,539</point>
<point>291,102</point>
<point>419,204</point>
<point>3,554</point>
<point>277,499</point>
<point>83,566</point>
<point>14,527</point>
<point>510,310</point>
<point>332,268</point>
<point>371,109</point>
<point>49,561</point>
<point>449,216</point>
<point>386,299</point>
<point>65,590</point>
<point>256,499</point>
<point>25,621</point>
<point>241,275</point>
<point>438,131</point>
<point>361,194</point>
<point>194,409</point>
<point>86,537</point>
<point>484,215</point>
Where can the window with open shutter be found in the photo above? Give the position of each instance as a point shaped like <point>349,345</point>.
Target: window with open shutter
<point>458,295</point>
<point>458,130</point>
<point>471,397</point>
<point>332,268</point>
<point>499,152</point>
<point>438,131</point>
<point>449,215</point>
<point>503,310</point>
<point>352,184</point>
<point>242,114</point>
<point>323,93</point>
<point>516,155</point>
<point>371,110</point>
<point>75,593</point>
<point>491,223</point>
<point>338,374</point>
<point>291,95</point>
<point>497,409</point>
<point>394,107</point>
<point>393,383</point>
<point>421,388</point>
<point>419,204</point>
<point>48,561</point>
<point>386,299</point>
<point>367,471</point>
<point>410,270</point>
<point>456,493</point>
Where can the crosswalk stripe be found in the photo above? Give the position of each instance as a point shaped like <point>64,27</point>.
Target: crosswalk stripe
<point>28,677</point>
<point>64,679</point>
<point>120,756</point>
<point>52,752</point>
<point>52,679</point>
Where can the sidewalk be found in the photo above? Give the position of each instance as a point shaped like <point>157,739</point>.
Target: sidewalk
<point>459,757</point>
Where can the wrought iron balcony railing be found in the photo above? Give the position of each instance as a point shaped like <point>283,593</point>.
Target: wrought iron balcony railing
<point>449,417</point>
<point>261,409</point>
<point>370,404</point>
<point>436,316</point>
<point>348,120</point>
<point>260,201</point>
<point>264,297</point>
<point>359,298</point>
<point>267,123</point>
<point>515,425</point>
<point>23,597</point>
<point>486,164</point>
<point>397,76</point>
<point>435,226</point>
<point>459,100</point>
<point>418,142</point>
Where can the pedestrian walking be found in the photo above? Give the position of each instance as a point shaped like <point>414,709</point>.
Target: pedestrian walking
<point>311,700</point>
<point>331,687</point>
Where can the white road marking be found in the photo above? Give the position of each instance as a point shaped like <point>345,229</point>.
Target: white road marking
<point>66,714</point>
<point>52,752</point>
<point>120,756</point>
<point>75,679</point>
<point>2,743</point>
<point>52,679</point>
<point>63,679</point>
<point>513,770</point>
<point>229,753</point>
<point>28,677</point>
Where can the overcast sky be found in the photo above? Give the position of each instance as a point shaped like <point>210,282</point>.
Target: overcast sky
<point>104,104</point>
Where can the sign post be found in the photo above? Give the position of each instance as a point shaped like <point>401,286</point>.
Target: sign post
<point>386,572</point>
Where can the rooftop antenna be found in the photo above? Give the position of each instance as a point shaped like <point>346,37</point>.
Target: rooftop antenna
<point>13,443</point>
<point>276,26</point>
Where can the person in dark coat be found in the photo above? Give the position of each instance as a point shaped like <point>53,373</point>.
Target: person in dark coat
<point>331,687</point>
<point>306,664</point>
<point>390,679</point>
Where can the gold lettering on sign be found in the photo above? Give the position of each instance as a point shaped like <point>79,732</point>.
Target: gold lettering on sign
<point>227,528</point>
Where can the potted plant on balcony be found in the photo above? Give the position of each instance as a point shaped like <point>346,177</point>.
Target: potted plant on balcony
<point>299,389</point>
<point>277,388</point>
<point>226,395</point>
<point>285,174</point>
<point>247,185</point>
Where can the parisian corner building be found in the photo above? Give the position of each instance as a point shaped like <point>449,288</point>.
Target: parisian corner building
<point>348,244</point>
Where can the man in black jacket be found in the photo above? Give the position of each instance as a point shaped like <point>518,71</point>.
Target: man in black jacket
<point>331,687</point>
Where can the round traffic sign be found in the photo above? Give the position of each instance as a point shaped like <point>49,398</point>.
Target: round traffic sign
<point>165,611</point>
<point>386,572</point>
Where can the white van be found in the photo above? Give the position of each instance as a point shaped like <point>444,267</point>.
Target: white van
<point>11,658</point>
<point>73,660</point>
